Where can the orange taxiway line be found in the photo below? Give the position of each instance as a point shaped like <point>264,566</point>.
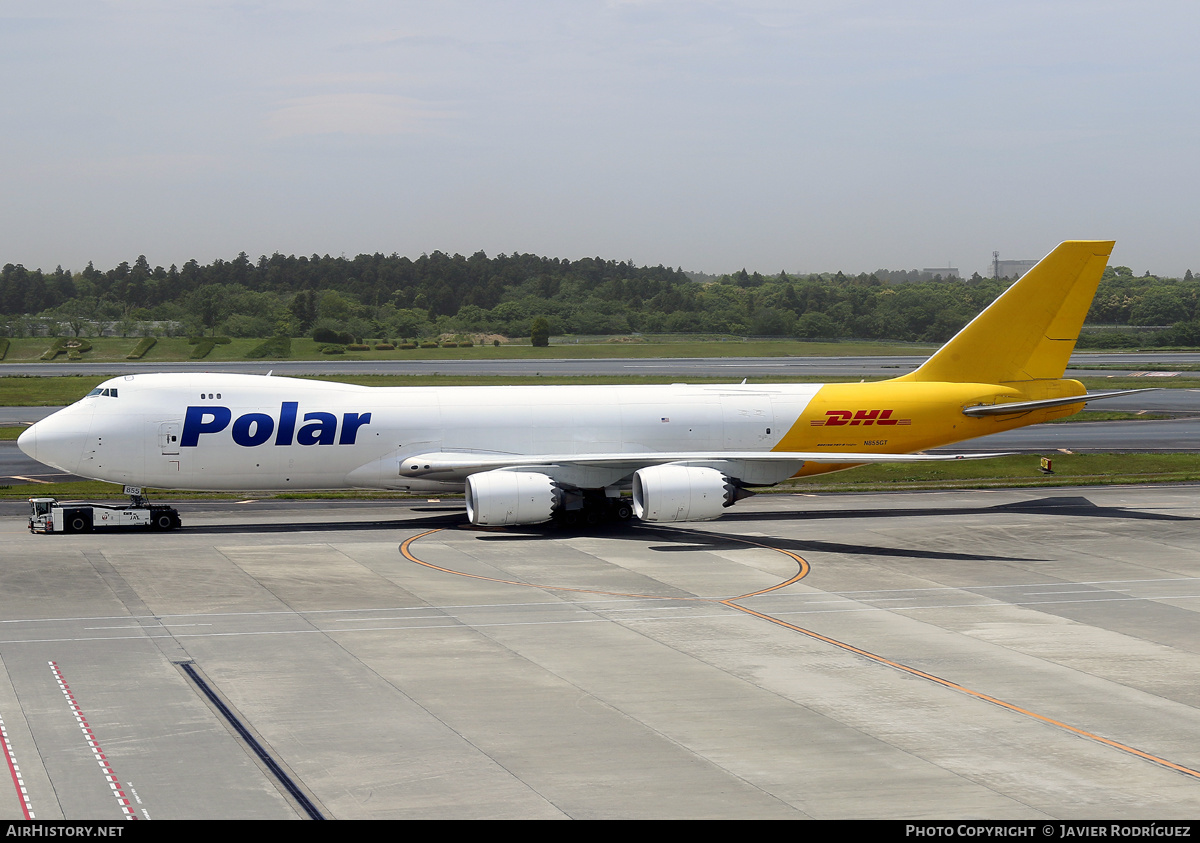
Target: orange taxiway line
<point>979,695</point>
<point>803,570</point>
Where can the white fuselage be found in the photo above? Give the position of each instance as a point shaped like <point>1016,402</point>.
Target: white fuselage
<point>222,431</point>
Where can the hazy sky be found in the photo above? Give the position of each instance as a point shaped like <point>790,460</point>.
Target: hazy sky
<point>707,134</point>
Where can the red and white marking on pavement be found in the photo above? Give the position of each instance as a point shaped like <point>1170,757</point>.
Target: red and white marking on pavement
<point>15,772</point>
<point>109,775</point>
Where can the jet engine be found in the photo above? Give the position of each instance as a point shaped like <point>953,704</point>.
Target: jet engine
<point>497,498</point>
<point>681,493</point>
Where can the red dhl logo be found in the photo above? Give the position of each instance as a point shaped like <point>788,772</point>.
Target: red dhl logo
<point>863,417</point>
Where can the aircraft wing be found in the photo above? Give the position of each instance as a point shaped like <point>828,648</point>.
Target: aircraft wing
<point>463,463</point>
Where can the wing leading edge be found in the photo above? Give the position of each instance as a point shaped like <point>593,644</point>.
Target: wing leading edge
<point>463,464</point>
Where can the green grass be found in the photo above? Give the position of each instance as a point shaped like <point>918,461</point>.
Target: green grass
<point>1150,367</point>
<point>1017,471</point>
<point>177,349</point>
<point>33,391</point>
<point>98,490</point>
<point>1113,383</point>
<point>112,349</point>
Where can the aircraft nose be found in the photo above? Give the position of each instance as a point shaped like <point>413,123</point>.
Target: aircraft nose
<point>56,440</point>
<point>27,442</point>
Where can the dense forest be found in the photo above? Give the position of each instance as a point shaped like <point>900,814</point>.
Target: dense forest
<point>438,294</point>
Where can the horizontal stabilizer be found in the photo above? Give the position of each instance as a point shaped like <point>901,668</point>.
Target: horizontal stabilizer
<point>1026,406</point>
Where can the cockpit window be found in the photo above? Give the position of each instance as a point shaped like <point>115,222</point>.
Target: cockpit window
<point>111,392</point>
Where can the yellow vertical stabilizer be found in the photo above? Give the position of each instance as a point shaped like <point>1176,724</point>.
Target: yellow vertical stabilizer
<point>1030,331</point>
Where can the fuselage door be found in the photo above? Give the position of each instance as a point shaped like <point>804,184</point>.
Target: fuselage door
<point>168,437</point>
<point>749,420</point>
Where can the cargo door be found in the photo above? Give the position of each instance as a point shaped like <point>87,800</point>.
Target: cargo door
<point>749,421</point>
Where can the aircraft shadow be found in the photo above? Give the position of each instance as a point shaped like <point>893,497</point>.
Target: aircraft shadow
<point>803,547</point>
<point>1075,506</point>
<point>681,540</point>
<point>1071,507</point>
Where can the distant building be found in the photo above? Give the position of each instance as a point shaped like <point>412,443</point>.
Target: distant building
<point>944,271</point>
<point>1010,269</point>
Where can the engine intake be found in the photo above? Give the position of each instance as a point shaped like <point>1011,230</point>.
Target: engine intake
<point>498,498</point>
<point>668,493</point>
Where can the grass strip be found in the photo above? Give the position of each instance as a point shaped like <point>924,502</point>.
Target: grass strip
<point>1018,471</point>
<point>178,349</point>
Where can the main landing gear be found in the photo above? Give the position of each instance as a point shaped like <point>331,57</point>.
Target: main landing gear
<point>594,509</point>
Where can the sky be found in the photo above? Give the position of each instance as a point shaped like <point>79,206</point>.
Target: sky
<point>710,135</point>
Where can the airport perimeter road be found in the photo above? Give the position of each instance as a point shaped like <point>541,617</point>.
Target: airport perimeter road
<point>13,416</point>
<point>734,368</point>
<point>1155,401</point>
<point>1169,435</point>
<point>1000,654</point>
<point>15,467</point>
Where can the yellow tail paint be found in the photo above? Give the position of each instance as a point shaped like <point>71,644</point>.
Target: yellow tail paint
<point>1028,333</point>
<point>1016,350</point>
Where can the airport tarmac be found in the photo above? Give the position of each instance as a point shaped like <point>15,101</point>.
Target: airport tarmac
<point>989,654</point>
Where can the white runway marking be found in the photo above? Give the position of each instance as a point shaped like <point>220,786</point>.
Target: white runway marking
<point>15,772</point>
<point>109,776</point>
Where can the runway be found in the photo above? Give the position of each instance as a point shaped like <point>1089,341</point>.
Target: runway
<point>1003,654</point>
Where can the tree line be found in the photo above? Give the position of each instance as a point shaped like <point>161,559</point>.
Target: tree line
<point>393,296</point>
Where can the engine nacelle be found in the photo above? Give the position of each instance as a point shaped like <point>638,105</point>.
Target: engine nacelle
<point>497,498</point>
<point>681,493</point>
